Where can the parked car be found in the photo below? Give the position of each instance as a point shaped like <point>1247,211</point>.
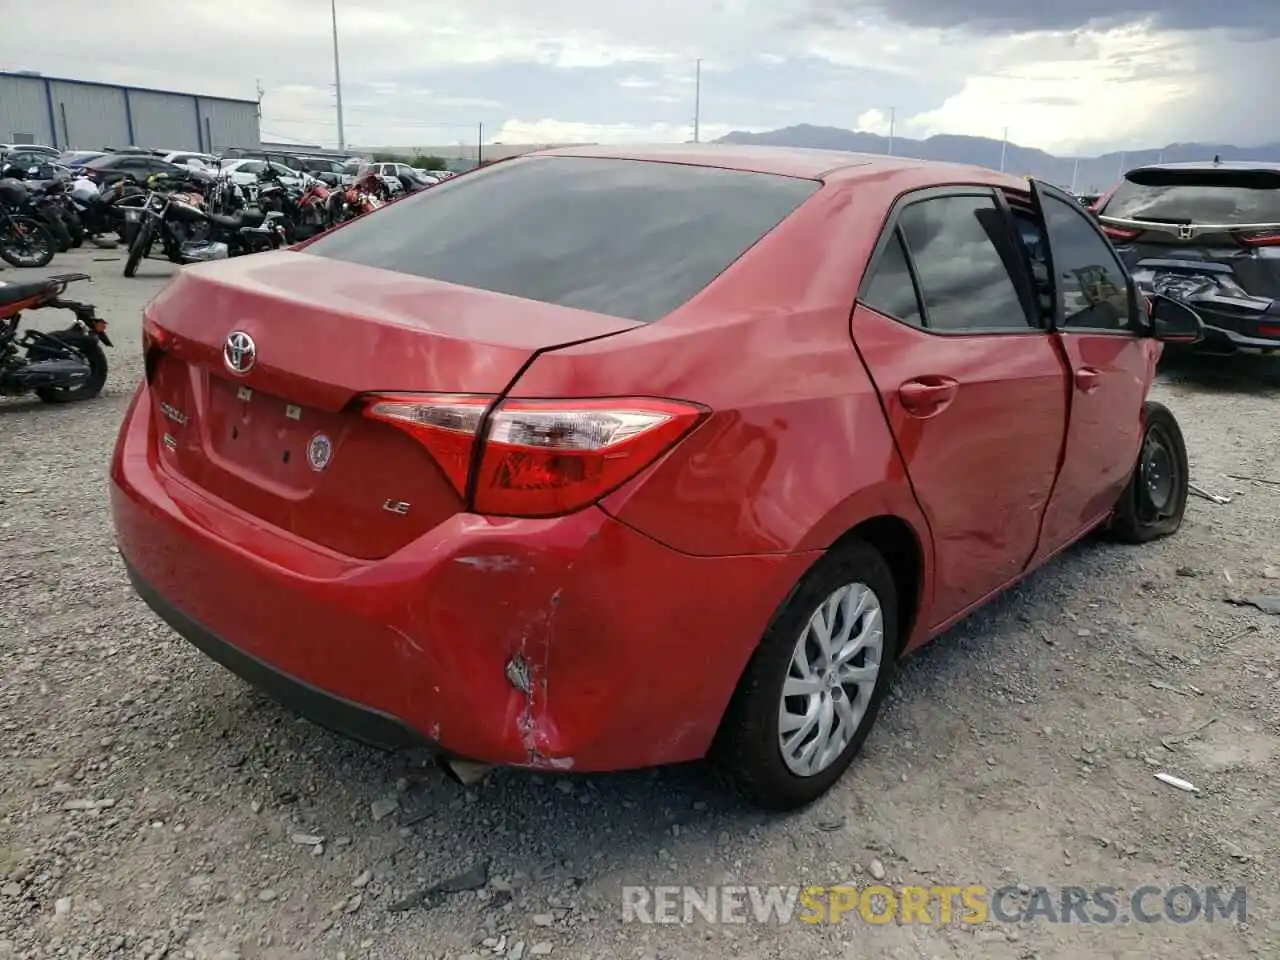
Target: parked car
<point>484,472</point>
<point>75,159</point>
<point>248,172</point>
<point>183,158</point>
<point>1208,234</point>
<point>109,168</point>
<point>49,153</point>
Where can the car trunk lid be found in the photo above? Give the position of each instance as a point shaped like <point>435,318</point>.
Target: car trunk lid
<point>284,439</point>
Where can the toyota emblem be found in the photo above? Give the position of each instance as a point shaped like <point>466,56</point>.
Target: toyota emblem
<point>239,352</point>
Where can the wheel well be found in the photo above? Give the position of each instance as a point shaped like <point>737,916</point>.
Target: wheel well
<point>897,543</point>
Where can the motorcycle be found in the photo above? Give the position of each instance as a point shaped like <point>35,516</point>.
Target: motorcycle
<point>190,234</point>
<point>85,198</point>
<point>60,367</point>
<point>304,211</point>
<point>24,240</point>
<point>31,199</point>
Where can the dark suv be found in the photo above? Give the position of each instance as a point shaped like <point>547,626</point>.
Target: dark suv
<point>1207,234</point>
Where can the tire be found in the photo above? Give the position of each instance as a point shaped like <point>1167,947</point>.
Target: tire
<point>97,358</point>
<point>53,222</point>
<point>75,227</point>
<point>748,750</point>
<point>35,246</point>
<point>1155,498</point>
<point>138,249</point>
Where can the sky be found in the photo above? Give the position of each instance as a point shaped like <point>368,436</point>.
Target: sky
<point>1083,77</point>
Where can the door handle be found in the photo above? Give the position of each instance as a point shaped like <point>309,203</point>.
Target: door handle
<point>927,396</point>
<point>1087,379</point>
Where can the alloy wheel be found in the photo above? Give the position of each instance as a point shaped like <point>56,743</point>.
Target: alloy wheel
<point>830,679</point>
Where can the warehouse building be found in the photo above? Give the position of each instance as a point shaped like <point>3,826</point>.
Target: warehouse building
<point>78,114</point>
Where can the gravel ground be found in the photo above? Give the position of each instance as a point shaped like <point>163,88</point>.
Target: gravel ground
<point>153,805</point>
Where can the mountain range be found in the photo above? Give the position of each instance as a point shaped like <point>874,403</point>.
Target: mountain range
<point>1084,174</point>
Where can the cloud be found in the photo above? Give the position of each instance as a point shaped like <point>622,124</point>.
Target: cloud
<point>1087,75</point>
<point>1020,16</point>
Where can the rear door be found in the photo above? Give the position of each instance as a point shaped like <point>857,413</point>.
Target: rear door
<point>1095,316</point>
<point>973,387</point>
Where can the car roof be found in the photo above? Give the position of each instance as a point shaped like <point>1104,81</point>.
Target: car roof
<point>807,163</point>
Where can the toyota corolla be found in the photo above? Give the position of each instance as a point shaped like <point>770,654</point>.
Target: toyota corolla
<point>599,459</point>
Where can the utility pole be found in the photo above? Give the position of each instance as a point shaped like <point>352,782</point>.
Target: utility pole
<point>893,119</point>
<point>337,76</point>
<point>261,94</point>
<point>1075,174</point>
<point>1123,157</point>
<point>480,143</point>
<point>697,99</point>
<point>1004,148</point>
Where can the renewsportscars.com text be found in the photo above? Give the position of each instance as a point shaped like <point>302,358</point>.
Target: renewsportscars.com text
<point>941,904</point>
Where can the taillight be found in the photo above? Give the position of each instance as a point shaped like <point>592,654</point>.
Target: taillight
<point>155,340</point>
<point>1268,238</point>
<point>1269,329</point>
<point>1121,234</point>
<point>539,458</point>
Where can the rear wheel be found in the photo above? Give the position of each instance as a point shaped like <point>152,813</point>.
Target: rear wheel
<point>1155,499</point>
<point>138,248</point>
<point>24,242</point>
<point>53,223</point>
<point>813,688</point>
<point>93,384</point>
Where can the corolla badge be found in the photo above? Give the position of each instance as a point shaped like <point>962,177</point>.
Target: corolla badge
<point>239,352</point>
<point>319,451</point>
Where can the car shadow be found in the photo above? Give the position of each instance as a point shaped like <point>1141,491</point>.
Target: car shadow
<point>1251,373</point>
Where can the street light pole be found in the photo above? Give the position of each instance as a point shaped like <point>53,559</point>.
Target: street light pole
<point>337,76</point>
<point>697,99</point>
<point>893,119</point>
<point>1004,148</point>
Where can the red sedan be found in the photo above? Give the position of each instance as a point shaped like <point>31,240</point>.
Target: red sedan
<point>607,458</point>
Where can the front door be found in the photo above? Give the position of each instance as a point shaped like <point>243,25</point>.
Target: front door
<point>1111,362</point>
<point>973,388</point>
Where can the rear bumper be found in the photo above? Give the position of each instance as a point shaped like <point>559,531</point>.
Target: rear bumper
<point>350,719</point>
<point>631,649</point>
<point>1221,338</point>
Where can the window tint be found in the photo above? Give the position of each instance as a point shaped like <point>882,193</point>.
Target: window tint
<point>1091,285</point>
<point>963,279</point>
<point>891,290</point>
<point>628,238</point>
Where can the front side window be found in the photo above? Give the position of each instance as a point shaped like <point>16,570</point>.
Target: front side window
<point>1092,287</point>
<point>627,238</point>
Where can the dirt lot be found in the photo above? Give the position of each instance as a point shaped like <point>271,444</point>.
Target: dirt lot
<point>1019,750</point>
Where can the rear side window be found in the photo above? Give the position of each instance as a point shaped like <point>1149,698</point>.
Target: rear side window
<point>626,238</point>
<point>890,290</point>
<point>955,243</point>
<point>1204,196</point>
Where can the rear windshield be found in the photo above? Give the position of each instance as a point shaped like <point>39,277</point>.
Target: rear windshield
<point>626,238</point>
<point>1199,197</point>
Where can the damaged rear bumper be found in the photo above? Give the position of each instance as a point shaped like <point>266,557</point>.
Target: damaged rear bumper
<point>571,643</point>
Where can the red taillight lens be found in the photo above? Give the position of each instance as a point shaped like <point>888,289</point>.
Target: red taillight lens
<point>1266,239</point>
<point>155,340</point>
<point>1269,329</point>
<point>540,458</point>
<point>446,424</point>
<point>1120,234</point>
